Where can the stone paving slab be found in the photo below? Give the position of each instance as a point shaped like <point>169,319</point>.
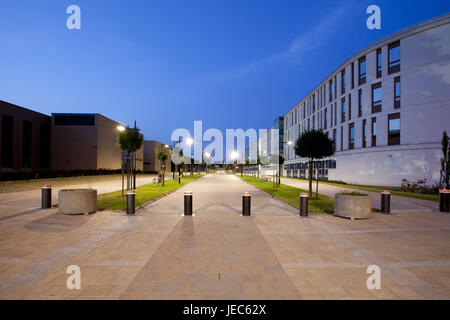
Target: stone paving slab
<point>218,254</point>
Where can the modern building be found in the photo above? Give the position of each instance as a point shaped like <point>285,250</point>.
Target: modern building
<point>151,162</point>
<point>24,138</point>
<point>86,142</point>
<point>385,109</point>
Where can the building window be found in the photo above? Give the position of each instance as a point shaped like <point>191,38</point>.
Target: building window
<point>394,57</point>
<point>334,139</point>
<point>364,133</point>
<point>325,115</point>
<point>335,113</point>
<point>342,81</point>
<point>349,107</point>
<point>314,122</point>
<point>342,138</point>
<point>379,63</point>
<point>374,132</point>
<point>331,118</point>
<point>397,94</point>
<point>362,71</point>
<point>351,136</point>
<point>360,103</point>
<point>27,135</point>
<point>394,129</point>
<point>343,107</point>
<point>353,75</point>
<point>330,89</point>
<point>66,119</point>
<point>309,124</point>
<point>7,141</point>
<point>376,97</point>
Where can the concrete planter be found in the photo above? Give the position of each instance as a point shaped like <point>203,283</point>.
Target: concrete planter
<point>77,201</point>
<point>353,207</point>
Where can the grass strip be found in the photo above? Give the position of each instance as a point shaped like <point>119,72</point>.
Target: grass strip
<point>394,190</point>
<point>144,194</point>
<point>291,195</point>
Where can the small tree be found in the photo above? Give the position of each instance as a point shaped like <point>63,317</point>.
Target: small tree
<point>130,140</point>
<point>163,155</point>
<point>445,162</point>
<point>313,145</point>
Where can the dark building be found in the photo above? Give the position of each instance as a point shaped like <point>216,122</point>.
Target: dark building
<point>24,138</point>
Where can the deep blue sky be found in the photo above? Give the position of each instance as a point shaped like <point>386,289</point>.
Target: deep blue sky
<point>230,63</point>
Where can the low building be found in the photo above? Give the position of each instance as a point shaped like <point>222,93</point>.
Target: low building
<point>151,162</point>
<point>385,109</point>
<point>24,138</point>
<point>86,142</point>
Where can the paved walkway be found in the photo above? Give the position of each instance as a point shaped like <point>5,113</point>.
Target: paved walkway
<point>398,203</point>
<point>29,201</point>
<point>219,254</point>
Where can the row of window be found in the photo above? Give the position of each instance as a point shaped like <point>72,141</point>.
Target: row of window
<point>346,108</point>
<point>393,133</point>
<point>309,105</point>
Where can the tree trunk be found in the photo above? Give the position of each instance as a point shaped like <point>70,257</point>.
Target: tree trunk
<point>310,177</point>
<point>317,180</point>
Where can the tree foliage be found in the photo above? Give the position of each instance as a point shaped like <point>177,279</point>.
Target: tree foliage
<point>314,145</point>
<point>130,140</point>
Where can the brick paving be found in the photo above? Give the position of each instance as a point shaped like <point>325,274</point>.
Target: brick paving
<point>219,254</point>
<point>35,184</point>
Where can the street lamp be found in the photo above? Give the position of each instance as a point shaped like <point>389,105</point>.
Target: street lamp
<point>207,155</point>
<point>189,142</point>
<point>120,128</point>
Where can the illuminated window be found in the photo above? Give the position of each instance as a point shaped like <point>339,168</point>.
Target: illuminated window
<point>376,97</point>
<point>394,57</point>
<point>379,63</point>
<point>362,71</point>
<point>351,136</point>
<point>397,94</point>
<point>394,129</point>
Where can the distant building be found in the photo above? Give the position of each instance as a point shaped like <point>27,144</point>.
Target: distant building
<point>31,140</point>
<point>385,109</point>
<point>151,162</point>
<point>86,142</point>
<point>24,138</point>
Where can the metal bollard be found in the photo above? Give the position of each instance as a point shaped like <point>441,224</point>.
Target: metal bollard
<point>444,200</point>
<point>246,204</point>
<point>46,197</point>
<point>131,197</point>
<point>304,205</point>
<point>188,203</point>
<point>386,201</point>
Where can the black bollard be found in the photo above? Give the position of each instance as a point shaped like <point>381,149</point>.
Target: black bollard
<point>386,201</point>
<point>46,197</point>
<point>444,200</point>
<point>131,196</point>
<point>246,204</point>
<point>188,203</point>
<point>304,205</point>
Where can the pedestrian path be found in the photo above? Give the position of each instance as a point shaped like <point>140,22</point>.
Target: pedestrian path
<point>219,254</point>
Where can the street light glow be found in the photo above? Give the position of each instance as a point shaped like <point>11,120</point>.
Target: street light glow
<point>189,141</point>
<point>120,128</point>
<point>290,143</point>
<point>234,155</point>
<point>207,154</point>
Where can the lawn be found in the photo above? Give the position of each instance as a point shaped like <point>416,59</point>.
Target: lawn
<point>394,190</point>
<point>291,195</point>
<point>145,193</point>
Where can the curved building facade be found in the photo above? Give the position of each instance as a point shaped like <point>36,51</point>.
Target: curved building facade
<point>385,109</point>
